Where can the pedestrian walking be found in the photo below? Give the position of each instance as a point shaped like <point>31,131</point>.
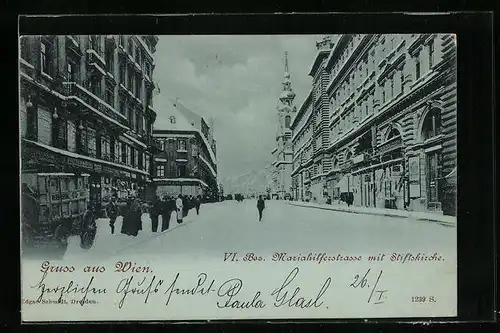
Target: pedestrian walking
<point>154,213</point>
<point>260,207</point>
<point>136,221</point>
<point>127,216</point>
<point>197,203</point>
<point>180,208</point>
<point>112,211</point>
<point>185,205</point>
<point>166,211</point>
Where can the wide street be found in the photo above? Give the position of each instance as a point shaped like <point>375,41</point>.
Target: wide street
<point>233,227</point>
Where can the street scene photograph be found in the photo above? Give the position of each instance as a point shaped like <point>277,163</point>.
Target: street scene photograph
<point>285,148</point>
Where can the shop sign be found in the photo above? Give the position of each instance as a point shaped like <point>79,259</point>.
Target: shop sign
<point>80,163</point>
<point>414,176</point>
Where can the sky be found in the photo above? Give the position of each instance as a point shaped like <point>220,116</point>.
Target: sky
<point>237,81</point>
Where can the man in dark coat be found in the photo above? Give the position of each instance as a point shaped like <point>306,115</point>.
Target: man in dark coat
<point>260,207</point>
<point>166,212</point>
<point>185,205</point>
<point>112,213</point>
<point>126,218</point>
<point>197,203</point>
<point>136,214</point>
<point>154,213</point>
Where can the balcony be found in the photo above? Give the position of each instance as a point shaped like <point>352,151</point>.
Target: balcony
<point>94,103</point>
<point>73,44</point>
<point>391,145</point>
<point>93,56</point>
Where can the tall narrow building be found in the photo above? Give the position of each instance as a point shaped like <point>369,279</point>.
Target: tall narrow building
<point>282,162</point>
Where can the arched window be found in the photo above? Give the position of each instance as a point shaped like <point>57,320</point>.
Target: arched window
<point>172,119</point>
<point>431,125</point>
<point>335,163</point>
<point>287,121</point>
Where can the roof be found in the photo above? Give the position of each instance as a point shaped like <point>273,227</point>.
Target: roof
<point>188,113</point>
<point>167,111</point>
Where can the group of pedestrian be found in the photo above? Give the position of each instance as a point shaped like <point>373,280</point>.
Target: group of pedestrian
<point>132,216</point>
<point>165,206</point>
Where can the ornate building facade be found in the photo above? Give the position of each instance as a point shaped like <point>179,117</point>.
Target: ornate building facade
<point>86,107</point>
<point>282,154</point>
<point>391,121</point>
<point>311,137</point>
<point>186,160</point>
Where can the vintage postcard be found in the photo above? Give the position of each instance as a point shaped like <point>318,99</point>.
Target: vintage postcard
<point>212,177</point>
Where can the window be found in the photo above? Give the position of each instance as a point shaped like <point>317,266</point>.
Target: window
<point>25,48</point>
<point>72,68</point>
<point>392,87</point>
<point>131,117</point>
<point>383,96</point>
<point>431,126</point>
<point>44,125</point>
<point>172,119</point>
<point>91,142</point>
<point>182,144</point>
<point>124,153</point>
<point>129,155</point>
<point>122,73</point>
<point>138,56</point>
<point>105,148</point>
<point>417,67</point>
<point>402,81</point>
<point>431,54</point>
<point>110,94</point>
<point>181,170</point>
<point>138,86</point>
<point>133,157</point>
<point>162,145</point>
<point>95,43</point>
<point>95,86</point>
<point>287,121</point>
<point>130,82</point>
<point>130,46</point>
<point>160,170</point>
<point>45,58</point>
<point>366,109</point>
<point>110,61</point>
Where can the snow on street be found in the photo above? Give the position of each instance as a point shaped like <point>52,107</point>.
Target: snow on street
<point>233,227</point>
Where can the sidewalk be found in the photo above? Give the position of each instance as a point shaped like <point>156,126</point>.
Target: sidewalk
<point>442,219</point>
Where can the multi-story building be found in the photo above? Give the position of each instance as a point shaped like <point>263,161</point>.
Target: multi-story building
<point>310,137</point>
<point>86,108</point>
<point>186,162</point>
<point>282,154</point>
<point>392,121</point>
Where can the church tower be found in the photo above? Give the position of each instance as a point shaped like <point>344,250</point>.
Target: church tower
<point>285,111</point>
